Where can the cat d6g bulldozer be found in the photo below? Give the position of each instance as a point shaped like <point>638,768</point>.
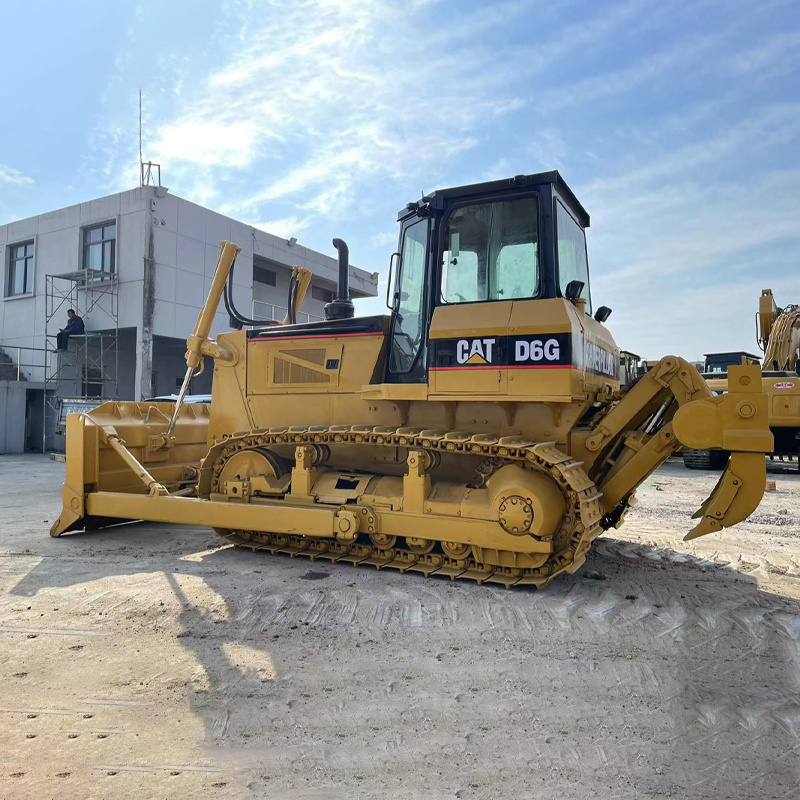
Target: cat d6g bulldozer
<point>477,431</point>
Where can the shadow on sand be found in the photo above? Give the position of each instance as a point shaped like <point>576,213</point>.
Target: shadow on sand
<point>659,674</point>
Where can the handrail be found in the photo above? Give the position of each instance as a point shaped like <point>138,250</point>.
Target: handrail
<point>19,363</point>
<point>261,309</point>
<point>43,365</point>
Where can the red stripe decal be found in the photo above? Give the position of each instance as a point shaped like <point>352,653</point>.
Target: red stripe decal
<point>311,336</point>
<point>510,366</point>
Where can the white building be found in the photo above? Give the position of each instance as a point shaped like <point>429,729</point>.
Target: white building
<point>136,266</point>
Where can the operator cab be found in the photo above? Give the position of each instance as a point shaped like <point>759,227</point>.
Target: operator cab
<point>516,239</point>
<point>716,364</point>
<point>631,368</point>
<point>513,239</point>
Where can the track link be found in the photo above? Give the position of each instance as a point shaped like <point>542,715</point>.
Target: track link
<point>580,526</point>
<point>704,459</point>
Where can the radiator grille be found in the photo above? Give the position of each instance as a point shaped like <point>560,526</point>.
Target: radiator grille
<point>284,371</point>
<point>315,356</point>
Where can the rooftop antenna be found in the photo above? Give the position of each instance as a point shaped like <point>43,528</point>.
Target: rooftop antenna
<point>149,173</point>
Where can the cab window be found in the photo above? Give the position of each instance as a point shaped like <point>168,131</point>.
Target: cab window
<point>409,323</point>
<point>572,262</point>
<point>491,252</point>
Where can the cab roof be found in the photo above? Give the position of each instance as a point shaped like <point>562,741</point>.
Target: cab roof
<point>732,353</point>
<point>437,199</point>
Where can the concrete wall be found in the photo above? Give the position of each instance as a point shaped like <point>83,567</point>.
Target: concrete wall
<point>277,295</point>
<point>126,346</point>
<point>186,241</point>
<point>169,366</point>
<point>12,417</point>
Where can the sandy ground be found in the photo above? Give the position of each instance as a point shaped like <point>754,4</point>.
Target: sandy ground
<point>154,662</point>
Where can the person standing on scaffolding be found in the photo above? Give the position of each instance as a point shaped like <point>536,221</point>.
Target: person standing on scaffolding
<point>74,327</point>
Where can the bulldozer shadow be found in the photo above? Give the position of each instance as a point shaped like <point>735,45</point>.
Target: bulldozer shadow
<point>656,651</point>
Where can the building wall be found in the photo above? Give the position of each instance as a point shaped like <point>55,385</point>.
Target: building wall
<point>12,416</point>
<point>274,299</point>
<point>186,241</point>
<point>57,238</point>
<point>126,348</point>
<point>169,366</point>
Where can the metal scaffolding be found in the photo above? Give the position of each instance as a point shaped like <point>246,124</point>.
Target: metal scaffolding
<point>87,372</point>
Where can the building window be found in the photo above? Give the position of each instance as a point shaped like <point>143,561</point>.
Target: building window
<point>19,278</point>
<point>264,275</point>
<point>99,247</point>
<point>318,293</point>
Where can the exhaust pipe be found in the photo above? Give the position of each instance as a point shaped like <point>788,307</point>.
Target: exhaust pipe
<point>342,306</point>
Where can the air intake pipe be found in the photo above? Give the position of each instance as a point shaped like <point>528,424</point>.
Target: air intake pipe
<point>342,306</point>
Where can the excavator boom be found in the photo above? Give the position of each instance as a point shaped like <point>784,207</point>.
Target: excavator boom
<point>779,333</point>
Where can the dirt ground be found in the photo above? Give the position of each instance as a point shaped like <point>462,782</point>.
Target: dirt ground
<point>154,662</point>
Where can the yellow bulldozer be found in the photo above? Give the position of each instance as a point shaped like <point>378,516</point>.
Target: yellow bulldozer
<point>778,335</point>
<point>477,431</point>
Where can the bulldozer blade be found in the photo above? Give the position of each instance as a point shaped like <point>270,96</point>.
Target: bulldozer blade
<point>67,521</point>
<point>103,443</point>
<point>736,495</point>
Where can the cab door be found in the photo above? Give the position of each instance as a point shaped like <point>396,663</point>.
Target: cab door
<point>409,335</point>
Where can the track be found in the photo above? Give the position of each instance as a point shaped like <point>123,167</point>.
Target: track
<point>580,526</point>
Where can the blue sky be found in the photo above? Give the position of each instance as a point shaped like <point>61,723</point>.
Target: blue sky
<point>676,123</point>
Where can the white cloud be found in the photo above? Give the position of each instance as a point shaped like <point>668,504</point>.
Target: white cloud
<point>385,238</point>
<point>322,103</point>
<point>285,226</point>
<point>686,54</point>
<point>326,99</point>
<point>13,177</point>
<point>211,142</point>
<point>776,55</point>
<point>548,147</point>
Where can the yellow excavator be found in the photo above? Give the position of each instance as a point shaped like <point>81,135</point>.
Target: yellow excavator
<point>778,335</point>
<point>779,338</point>
<point>477,431</point>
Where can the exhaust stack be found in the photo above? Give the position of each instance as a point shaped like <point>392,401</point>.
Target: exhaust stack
<point>342,306</point>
